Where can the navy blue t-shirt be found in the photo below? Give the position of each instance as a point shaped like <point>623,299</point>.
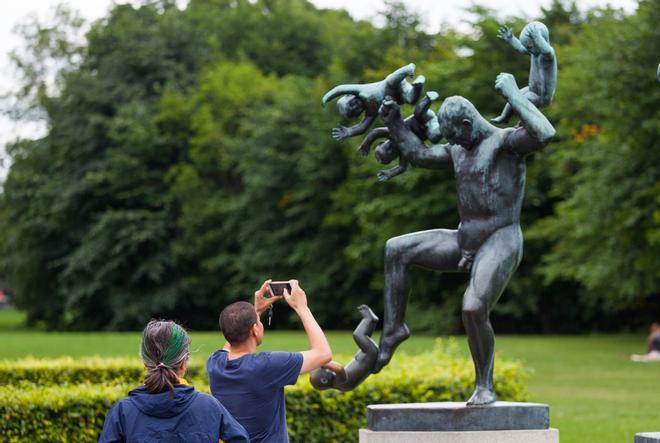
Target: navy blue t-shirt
<point>251,387</point>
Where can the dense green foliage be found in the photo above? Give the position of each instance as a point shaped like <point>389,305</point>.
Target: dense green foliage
<point>66,400</point>
<point>188,158</point>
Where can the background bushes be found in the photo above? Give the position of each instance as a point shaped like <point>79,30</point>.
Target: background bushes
<point>66,401</point>
<point>187,158</point>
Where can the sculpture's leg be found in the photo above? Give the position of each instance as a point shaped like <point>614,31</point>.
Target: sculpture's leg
<point>504,116</point>
<point>507,112</point>
<point>537,100</point>
<point>434,249</point>
<point>371,137</point>
<point>364,330</point>
<point>495,262</point>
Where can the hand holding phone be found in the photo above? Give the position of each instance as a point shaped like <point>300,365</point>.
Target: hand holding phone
<point>296,297</point>
<point>263,299</point>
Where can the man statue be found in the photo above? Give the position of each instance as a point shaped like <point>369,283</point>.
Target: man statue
<point>489,164</point>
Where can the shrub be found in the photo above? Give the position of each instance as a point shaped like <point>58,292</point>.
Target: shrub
<point>46,412</point>
<point>69,413</point>
<point>93,370</point>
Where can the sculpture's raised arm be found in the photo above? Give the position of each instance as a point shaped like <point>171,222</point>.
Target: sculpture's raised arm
<point>536,131</point>
<point>410,145</point>
<point>507,35</point>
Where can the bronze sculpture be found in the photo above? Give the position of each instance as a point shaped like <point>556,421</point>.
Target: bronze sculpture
<point>423,123</point>
<point>489,166</point>
<point>357,98</point>
<point>535,41</point>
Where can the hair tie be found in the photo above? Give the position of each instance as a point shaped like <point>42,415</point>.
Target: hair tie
<point>162,365</point>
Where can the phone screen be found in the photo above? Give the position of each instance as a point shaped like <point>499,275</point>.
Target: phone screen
<point>277,287</point>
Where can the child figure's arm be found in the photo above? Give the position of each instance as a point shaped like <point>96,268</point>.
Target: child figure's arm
<point>505,34</point>
<point>342,132</point>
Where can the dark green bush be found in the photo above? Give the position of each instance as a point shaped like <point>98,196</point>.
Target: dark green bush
<point>53,403</point>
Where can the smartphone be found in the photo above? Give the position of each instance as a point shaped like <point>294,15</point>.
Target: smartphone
<point>277,287</point>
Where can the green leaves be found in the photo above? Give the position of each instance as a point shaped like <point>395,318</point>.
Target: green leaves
<point>187,159</point>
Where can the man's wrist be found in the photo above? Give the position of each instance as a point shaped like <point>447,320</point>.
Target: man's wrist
<point>302,310</point>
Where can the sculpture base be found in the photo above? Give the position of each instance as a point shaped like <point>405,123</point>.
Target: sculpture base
<point>454,422</point>
<point>647,437</point>
<point>529,436</point>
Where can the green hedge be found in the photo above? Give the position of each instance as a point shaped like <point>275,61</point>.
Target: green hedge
<point>68,413</point>
<point>75,412</point>
<point>94,370</point>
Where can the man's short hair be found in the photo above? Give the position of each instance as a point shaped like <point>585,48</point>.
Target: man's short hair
<point>236,321</point>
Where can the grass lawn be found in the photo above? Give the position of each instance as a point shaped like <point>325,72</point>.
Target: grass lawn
<point>595,394</point>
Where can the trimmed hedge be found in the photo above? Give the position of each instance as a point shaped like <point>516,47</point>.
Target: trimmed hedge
<point>93,370</point>
<point>69,412</point>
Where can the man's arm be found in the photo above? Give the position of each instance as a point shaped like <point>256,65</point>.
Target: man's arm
<point>319,353</point>
<point>536,131</point>
<point>410,146</point>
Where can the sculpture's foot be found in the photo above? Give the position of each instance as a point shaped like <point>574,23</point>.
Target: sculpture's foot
<point>481,396</point>
<point>387,346</point>
<point>499,120</point>
<point>419,80</point>
<point>367,313</point>
<point>364,150</point>
<point>383,176</point>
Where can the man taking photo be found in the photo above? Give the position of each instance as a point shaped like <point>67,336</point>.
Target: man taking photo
<point>250,384</point>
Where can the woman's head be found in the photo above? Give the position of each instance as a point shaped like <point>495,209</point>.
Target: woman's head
<point>164,351</point>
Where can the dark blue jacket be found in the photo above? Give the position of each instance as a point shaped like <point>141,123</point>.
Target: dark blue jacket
<point>190,417</point>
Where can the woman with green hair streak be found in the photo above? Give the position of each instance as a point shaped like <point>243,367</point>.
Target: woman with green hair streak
<point>166,408</point>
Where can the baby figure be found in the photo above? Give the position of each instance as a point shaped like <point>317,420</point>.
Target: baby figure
<point>334,375</point>
<point>535,41</point>
<point>423,123</point>
<point>358,98</point>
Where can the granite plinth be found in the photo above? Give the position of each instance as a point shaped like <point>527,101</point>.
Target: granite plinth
<point>647,437</point>
<point>457,417</point>
<point>528,436</point>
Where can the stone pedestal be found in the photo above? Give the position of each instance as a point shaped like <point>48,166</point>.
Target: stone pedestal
<point>647,437</point>
<point>453,422</point>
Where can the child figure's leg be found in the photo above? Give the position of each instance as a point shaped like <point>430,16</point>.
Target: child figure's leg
<point>410,92</point>
<point>371,137</point>
<point>362,334</point>
<point>536,99</point>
